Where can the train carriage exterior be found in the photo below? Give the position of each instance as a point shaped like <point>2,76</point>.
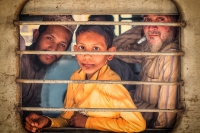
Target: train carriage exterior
<point>189,99</point>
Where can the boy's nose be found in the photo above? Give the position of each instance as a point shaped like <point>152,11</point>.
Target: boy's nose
<point>87,56</point>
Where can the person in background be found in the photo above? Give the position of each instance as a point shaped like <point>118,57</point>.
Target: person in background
<point>155,68</point>
<point>45,38</point>
<point>117,65</point>
<point>93,38</point>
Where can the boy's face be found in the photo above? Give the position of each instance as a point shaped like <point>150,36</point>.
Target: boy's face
<point>54,38</point>
<point>93,42</point>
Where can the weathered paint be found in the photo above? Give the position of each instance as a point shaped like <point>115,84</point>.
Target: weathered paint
<point>9,90</point>
<point>188,121</point>
<point>190,64</point>
<point>101,7</point>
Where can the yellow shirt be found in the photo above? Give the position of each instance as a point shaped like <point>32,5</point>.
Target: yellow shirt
<point>101,96</point>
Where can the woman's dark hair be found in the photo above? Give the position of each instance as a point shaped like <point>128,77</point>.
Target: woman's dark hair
<point>103,30</point>
<point>42,29</point>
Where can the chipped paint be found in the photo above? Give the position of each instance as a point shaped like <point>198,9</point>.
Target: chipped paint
<point>187,122</point>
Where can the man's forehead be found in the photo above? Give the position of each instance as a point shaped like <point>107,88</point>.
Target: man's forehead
<point>169,17</point>
<point>53,28</point>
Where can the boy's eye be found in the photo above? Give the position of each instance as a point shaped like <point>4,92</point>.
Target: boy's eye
<point>81,47</point>
<point>96,48</point>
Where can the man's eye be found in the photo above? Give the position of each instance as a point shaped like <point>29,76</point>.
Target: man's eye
<point>96,48</point>
<point>160,19</point>
<point>147,20</point>
<point>49,38</point>
<point>63,45</point>
<point>81,47</point>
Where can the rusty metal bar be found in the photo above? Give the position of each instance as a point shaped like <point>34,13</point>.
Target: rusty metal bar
<point>180,24</point>
<point>97,81</point>
<point>98,53</point>
<point>61,129</point>
<point>100,109</point>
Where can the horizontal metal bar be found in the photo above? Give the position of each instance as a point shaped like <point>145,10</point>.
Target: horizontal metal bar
<point>100,109</point>
<point>96,81</point>
<point>61,129</point>
<point>99,53</point>
<point>181,24</point>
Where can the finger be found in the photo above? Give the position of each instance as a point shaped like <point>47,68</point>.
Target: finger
<point>30,127</point>
<point>34,129</point>
<point>71,121</point>
<point>29,121</point>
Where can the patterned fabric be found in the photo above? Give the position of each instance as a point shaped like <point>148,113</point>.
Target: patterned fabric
<point>61,18</point>
<point>154,69</point>
<point>101,96</point>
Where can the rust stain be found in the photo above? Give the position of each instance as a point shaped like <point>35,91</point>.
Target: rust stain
<point>194,99</point>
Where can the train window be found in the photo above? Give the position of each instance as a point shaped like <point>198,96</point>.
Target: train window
<point>124,20</point>
<point>52,108</point>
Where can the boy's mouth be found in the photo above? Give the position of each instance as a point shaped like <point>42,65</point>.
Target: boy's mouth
<point>87,65</point>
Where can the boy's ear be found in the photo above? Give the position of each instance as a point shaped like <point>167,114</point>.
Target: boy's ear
<point>112,49</point>
<point>75,47</point>
<point>35,35</point>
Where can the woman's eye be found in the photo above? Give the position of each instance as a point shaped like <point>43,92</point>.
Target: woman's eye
<point>96,48</point>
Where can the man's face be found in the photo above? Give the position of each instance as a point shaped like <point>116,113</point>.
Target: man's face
<point>158,35</point>
<point>54,38</point>
<point>91,42</point>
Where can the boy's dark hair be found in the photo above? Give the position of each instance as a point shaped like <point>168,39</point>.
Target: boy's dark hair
<point>106,17</point>
<point>103,30</point>
<point>41,29</point>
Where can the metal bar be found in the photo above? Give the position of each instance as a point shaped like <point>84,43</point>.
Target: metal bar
<point>99,109</point>
<point>99,53</point>
<point>97,81</point>
<point>50,129</point>
<point>181,24</point>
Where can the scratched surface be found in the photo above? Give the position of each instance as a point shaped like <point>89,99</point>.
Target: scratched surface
<point>188,121</point>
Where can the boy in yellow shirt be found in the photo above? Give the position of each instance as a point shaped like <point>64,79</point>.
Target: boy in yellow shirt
<point>94,38</point>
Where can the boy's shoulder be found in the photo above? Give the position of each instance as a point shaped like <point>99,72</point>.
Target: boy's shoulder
<point>75,74</point>
<point>110,75</point>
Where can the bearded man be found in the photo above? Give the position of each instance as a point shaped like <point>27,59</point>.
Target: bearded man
<point>46,38</point>
<point>155,68</point>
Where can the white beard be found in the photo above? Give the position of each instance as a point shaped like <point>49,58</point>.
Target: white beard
<point>155,44</point>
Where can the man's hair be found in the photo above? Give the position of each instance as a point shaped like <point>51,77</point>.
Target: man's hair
<point>102,30</point>
<point>173,18</point>
<point>106,17</point>
<point>42,28</point>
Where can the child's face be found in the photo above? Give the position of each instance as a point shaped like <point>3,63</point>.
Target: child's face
<point>93,42</point>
